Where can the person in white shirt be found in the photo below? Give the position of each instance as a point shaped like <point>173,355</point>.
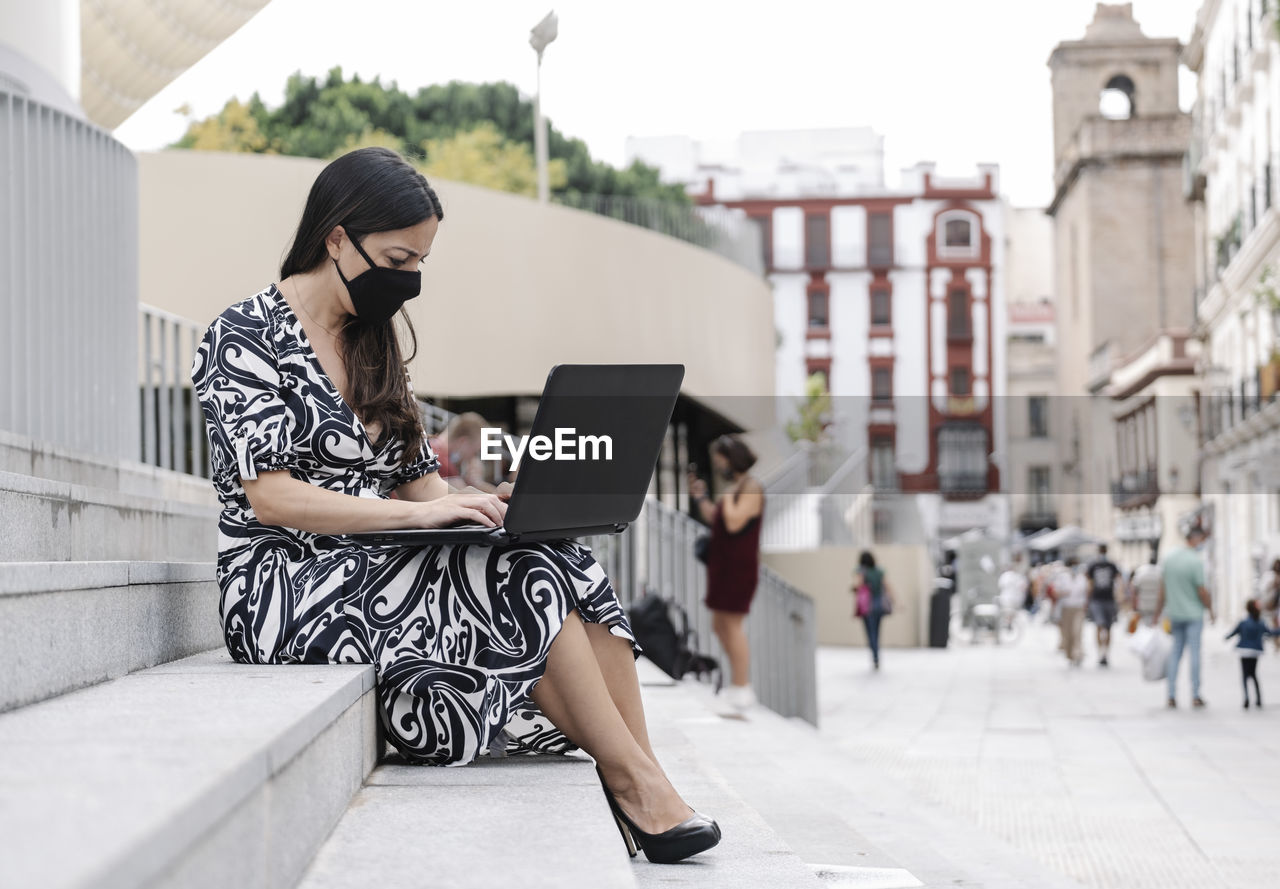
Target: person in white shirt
<point>1072,588</point>
<point>1144,590</point>
<point>1013,588</point>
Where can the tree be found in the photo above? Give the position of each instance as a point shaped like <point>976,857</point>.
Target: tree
<point>322,117</point>
<point>234,128</point>
<point>482,157</point>
<point>815,411</point>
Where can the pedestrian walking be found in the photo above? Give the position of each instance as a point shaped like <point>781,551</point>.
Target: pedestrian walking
<point>1012,584</point>
<point>1103,578</point>
<point>1269,598</point>
<point>1144,591</point>
<point>1251,631</point>
<point>872,601</point>
<point>1072,589</point>
<point>733,556</point>
<point>1184,600</point>
<point>312,425</point>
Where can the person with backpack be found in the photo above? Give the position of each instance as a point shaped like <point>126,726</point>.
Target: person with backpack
<point>872,601</point>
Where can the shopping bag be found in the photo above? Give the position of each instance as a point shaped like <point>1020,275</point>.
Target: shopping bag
<point>1143,638</point>
<point>1155,665</point>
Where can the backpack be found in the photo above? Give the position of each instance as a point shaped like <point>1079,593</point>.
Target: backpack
<point>673,650</point>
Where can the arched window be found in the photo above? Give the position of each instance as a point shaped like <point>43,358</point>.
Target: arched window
<point>958,234</point>
<point>1117,99</point>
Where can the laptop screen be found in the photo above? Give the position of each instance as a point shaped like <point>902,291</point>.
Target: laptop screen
<point>595,441</point>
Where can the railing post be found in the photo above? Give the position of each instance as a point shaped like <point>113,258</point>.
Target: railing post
<point>148,394</point>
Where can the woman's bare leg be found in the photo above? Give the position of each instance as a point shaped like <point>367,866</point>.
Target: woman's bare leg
<point>618,667</point>
<point>729,629</point>
<point>573,695</point>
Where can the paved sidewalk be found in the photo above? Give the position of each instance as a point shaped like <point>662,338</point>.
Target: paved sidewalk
<point>1082,769</point>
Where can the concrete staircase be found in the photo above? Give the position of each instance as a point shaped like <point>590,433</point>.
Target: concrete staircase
<point>128,761</point>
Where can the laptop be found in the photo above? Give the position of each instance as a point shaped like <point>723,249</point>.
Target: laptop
<point>586,464</point>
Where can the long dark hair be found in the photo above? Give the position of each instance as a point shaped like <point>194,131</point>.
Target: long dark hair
<point>365,191</point>
<point>741,458</point>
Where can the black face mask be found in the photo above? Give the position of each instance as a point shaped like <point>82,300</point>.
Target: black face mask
<point>727,473</point>
<point>377,294</point>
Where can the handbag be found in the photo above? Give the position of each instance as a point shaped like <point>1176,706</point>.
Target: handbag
<point>863,604</point>
<point>702,547</point>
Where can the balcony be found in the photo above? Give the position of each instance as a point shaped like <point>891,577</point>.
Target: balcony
<point>1037,519</point>
<point>962,482</point>
<point>1135,489</point>
<point>1227,407</point>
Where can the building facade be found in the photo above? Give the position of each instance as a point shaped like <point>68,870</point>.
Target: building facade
<point>895,297</point>
<point>1231,172</point>
<point>1034,460</point>
<point>1123,240</point>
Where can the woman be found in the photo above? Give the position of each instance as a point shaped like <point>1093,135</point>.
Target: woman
<point>733,557</point>
<point>880,601</point>
<point>1071,588</point>
<point>312,425</point>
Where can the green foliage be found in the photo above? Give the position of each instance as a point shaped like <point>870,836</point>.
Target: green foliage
<point>323,117</point>
<point>1267,291</point>
<point>482,157</point>
<point>234,128</point>
<point>815,411</point>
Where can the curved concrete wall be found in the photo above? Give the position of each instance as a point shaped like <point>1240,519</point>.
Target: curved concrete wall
<point>512,286</point>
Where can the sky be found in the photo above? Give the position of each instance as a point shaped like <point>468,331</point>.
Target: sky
<point>951,82</point>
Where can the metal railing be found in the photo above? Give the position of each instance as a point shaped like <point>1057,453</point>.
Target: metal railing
<point>1135,488</point>
<point>791,476</point>
<point>723,230</point>
<point>68,279</point>
<point>656,553</point>
<point>834,511</point>
<point>173,433</point>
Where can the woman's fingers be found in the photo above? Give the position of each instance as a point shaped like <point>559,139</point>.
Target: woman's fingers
<point>503,491</point>
<point>489,504</point>
<point>477,515</point>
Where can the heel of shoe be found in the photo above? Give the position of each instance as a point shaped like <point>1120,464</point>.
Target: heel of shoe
<point>626,834</point>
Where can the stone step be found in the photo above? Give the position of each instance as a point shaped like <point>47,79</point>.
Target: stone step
<point>65,625</point>
<point>849,823</point>
<point>544,822</point>
<point>44,520</point>
<point>751,854</point>
<point>198,773</point>
<point>537,822</point>
<point>26,456</point>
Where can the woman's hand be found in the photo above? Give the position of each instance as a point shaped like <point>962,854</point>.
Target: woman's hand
<point>504,490</point>
<point>461,506</point>
<point>697,487</point>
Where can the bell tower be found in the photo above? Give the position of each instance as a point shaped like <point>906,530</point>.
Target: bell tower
<point>1124,242</point>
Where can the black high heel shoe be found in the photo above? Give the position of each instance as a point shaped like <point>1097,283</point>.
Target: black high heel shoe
<point>695,834</point>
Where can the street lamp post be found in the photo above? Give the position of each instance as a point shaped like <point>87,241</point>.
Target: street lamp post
<point>542,34</point>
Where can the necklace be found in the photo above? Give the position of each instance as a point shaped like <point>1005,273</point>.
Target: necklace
<point>298,296</point>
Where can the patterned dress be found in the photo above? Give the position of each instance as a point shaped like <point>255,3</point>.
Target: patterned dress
<point>458,634</point>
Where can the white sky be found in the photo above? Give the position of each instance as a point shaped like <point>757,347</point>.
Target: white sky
<point>953,82</point>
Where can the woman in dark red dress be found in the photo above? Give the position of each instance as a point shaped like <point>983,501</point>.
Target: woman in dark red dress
<point>733,558</point>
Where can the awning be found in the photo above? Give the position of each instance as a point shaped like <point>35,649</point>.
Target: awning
<point>1069,537</point>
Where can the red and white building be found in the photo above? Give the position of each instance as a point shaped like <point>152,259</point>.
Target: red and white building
<point>895,295</point>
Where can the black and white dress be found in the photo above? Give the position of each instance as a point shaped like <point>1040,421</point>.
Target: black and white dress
<point>458,634</point>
